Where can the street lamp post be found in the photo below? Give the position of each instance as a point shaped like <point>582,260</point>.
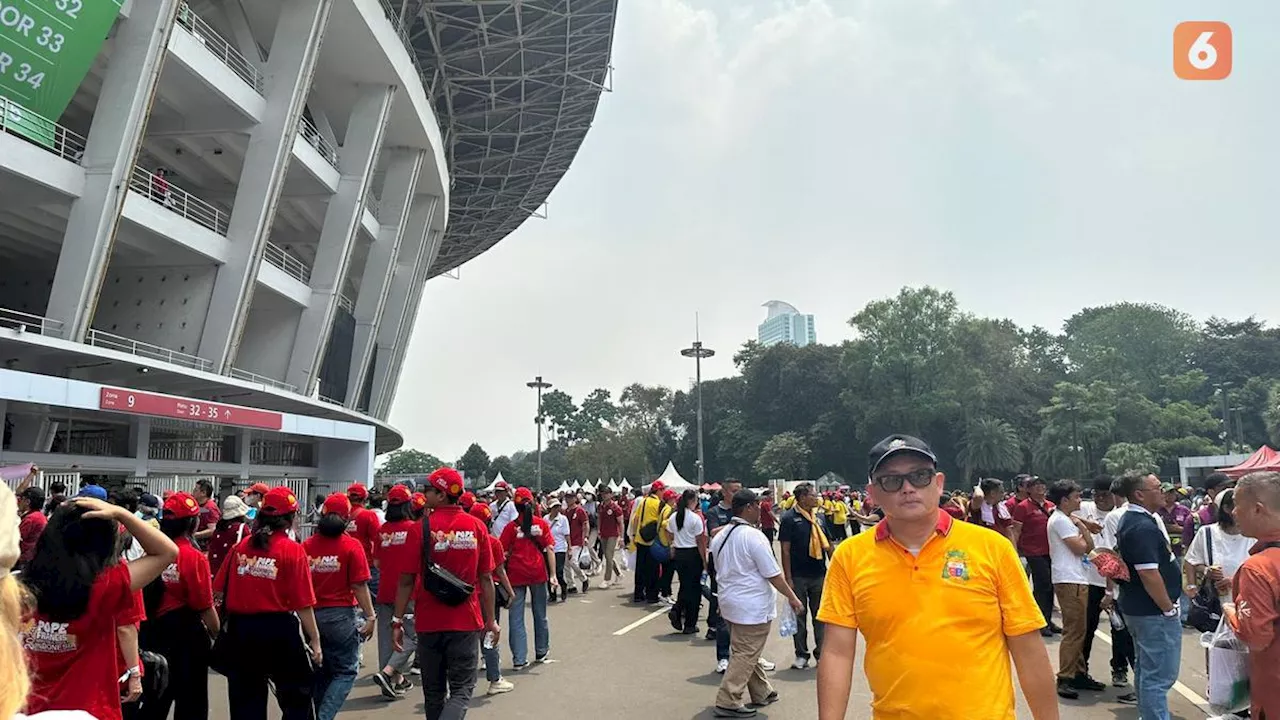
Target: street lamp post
<point>539,385</point>
<point>1220,389</point>
<point>697,352</point>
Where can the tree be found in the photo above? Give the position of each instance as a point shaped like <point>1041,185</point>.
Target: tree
<point>1129,457</point>
<point>474,462</point>
<point>1141,342</point>
<point>408,461</point>
<point>561,414</point>
<point>785,455</point>
<point>989,444</point>
<point>596,414</point>
<point>501,465</point>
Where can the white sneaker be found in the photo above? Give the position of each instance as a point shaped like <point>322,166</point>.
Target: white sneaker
<point>604,585</point>
<point>499,686</point>
<point>766,665</point>
<point>721,666</point>
<point>800,663</point>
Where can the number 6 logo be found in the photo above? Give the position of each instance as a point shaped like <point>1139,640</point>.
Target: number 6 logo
<point>1202,50</point>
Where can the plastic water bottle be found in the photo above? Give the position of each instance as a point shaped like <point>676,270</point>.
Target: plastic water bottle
<point>489,641</point>
<point>787,621</point>
<point>1117,622</point>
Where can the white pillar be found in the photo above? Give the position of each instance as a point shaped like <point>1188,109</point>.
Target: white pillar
<point>119,123</point>
<point>290,68</point>
<point>359,159</point>
<point>400,213</point>
<point>385,386</point>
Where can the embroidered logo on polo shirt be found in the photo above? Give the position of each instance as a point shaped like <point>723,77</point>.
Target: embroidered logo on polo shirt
<point>956,566</point>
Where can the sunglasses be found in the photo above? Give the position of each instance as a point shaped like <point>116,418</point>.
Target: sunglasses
<point>921,478</point>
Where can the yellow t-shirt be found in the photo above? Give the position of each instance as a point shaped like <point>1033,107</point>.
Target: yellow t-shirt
<point>839,512</point>
<point>649,510</point>
<point>789,503</point>
<point>924,617</point>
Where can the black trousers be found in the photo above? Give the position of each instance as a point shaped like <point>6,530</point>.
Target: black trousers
<point>646,589</point>
<point>449,662</point>
<point>666,574</point>
<point>688,565</point>
<point>1042,584</point>
<point>1123,654</point>
<point>559,570</point>
<point>181,638</point>
<point>270,648</point>
<point>1092,615</point>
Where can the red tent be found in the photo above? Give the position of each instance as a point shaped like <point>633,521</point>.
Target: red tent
<point>1264,459</point>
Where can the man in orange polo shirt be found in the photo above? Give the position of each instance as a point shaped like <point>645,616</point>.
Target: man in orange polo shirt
<point>929,594</point>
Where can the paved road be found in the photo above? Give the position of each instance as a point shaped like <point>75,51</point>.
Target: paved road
<point>647,673</point>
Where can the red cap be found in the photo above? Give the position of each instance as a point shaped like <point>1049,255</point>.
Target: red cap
<point>669,495</point>
<point>181,506</point>
<point>358,490</point>
<point>278,501</point>
<point>524,496</point>
<point>337,503</point>
<point>168,493</point>
<point>481,511</point>
<point>419,501</point>
<point>467,500</point>
<point>657,487</point>
<point>501,485</point>
<point>447,480</point>
<point>398,495</point>
<point>258,488</point>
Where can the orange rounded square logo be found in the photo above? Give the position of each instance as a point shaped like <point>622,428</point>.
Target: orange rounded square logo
<point>1202,50</point>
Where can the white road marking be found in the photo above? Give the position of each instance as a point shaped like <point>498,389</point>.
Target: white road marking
<point>640,622</point>
<point>1182,690</point>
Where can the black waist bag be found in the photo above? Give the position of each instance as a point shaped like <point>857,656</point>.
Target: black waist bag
<point>444,585</point>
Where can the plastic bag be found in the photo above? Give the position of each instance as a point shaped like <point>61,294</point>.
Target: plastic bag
<point>1228,687</point>
<point>628,560</point>
<point>787,620</point>
<point>585,560</point>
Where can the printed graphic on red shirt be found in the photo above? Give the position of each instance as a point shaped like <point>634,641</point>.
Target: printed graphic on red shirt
<point>458,544</point>
<point>336,564</point>
<point>187,583</point>
<point>274,579</point>
<point>397,554</point>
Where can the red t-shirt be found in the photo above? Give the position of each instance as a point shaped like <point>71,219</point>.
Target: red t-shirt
<point>525,556</point>
<point>74,666</point>
<point>1033,541</point>
<point>363,526</point>
<point>337,563</point>
<point>221,542</point>
<point>577,520</point>
<point>610,519</point>
<point>29,531</point>
<point>187,582</point>
<point>277,579</point>
<point>767,520</point>
<point>461,546</point>
<point>209,515</point>
<point>395,557</point>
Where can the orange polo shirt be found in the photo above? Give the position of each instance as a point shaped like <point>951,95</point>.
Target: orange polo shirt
<point>934,625</point>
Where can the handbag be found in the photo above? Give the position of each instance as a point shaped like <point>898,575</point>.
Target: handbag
<point>222,656</point>
<point>1206,606</point>
<point>649,531</point>
<point>444,585</point>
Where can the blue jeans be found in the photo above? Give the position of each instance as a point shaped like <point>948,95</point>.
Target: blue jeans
<point>491,660</point>
<point>340,645</point>
<point>1158,641</point>
<point>722,640</point>
<point>541,631</point>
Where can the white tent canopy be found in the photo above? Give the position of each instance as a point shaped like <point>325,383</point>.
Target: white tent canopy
<point>672,480</point>
<point>495,482</point>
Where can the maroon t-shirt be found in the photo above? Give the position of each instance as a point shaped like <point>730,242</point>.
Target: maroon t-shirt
<point>610,520</point>
<point>1034,538</point>
<point>577,521</point>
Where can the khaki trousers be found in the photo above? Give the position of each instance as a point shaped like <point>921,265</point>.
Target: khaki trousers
<point>745,680</point>
<point>1073,600</point>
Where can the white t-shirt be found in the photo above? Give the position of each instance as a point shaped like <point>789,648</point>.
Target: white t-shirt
<point>1112,524</point>
<point>1089,511</point>
<point>744,563</point>
<point>560,532</point>
<point>1068,568</point>
<point>503,516</point>
<point>688,537</point>
<point>1229,551</point>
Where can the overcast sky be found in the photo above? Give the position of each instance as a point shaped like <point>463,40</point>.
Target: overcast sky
<point>1034,157</point>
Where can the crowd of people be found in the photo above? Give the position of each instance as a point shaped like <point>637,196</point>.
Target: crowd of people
<point>119,604</point>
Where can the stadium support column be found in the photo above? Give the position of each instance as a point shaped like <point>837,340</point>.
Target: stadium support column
<point>359,158</point>
<point>141,45</point>
<point>399,213</point>
<point>395,349</point>
<point>290,67</point>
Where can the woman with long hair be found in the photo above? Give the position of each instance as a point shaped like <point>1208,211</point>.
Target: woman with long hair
<point>689,558</point>
<point>340,576</point>
<point>529,552</point>
<point>559,523</point>
<point>1217,550</point>
<point>266,591</point>
<point>181,620</point>
<point>81,588</point>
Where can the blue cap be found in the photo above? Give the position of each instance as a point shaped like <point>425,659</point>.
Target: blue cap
<point>96,492</point>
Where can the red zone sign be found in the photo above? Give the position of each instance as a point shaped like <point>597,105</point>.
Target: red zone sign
<point>137,402</point>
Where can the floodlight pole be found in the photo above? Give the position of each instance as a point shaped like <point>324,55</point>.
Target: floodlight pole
<point>697,352</point>
<point>539,385</point>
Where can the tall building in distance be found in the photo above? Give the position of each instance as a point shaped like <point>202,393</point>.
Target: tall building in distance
<point>785,324</point>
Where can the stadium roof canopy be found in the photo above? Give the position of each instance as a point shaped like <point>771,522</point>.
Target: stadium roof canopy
<point>515,84</point>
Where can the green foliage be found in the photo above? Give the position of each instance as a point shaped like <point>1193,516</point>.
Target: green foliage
<point>1124,458</point>
<point>409,462</point>
<point>989,444</point>
<point>474,463</point>
<point>785,455</point>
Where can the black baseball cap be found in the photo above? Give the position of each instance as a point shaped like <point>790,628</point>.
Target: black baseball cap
<point>895,444</point>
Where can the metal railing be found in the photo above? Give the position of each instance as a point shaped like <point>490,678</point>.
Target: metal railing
<point>286,261</point>
<point>373,205</point>
<point>281,452</point>
<point>346,303</point>
<point>311,134</point>
<point>394,17</point>
<point>239,374</point>
<point>329,400</point>
<point>27,322</point>
<point>162,192</point>
<point>109,341</point>
<point>222,49</point>
<point>188,450</point>
<point>40,130</point>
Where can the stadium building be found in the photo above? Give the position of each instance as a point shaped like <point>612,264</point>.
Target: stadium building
<point>217,216</point>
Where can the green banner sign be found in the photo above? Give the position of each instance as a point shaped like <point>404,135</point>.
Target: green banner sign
<point>46,49</point>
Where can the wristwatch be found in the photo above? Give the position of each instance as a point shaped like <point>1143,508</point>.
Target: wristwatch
<point>1171,612</point>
